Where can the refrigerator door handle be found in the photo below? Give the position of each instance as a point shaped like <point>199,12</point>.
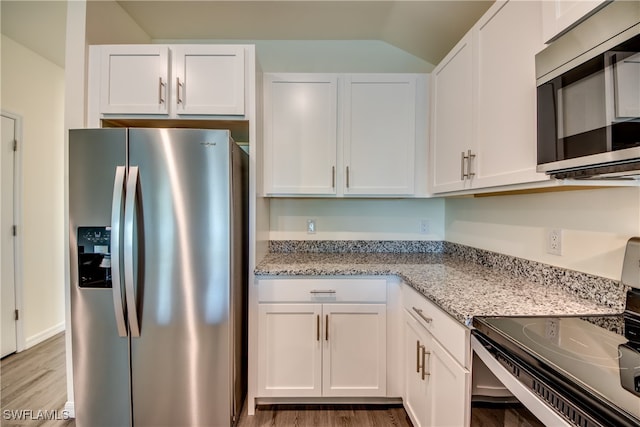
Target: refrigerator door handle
<point>116,215</point>
<point>129,281</point>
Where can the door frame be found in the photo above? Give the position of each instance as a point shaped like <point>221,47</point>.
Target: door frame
<point>17,217</point>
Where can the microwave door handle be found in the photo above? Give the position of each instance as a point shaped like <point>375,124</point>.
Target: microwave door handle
<point>116,217</point>
<point>129,280</point>
<point>556,116</point>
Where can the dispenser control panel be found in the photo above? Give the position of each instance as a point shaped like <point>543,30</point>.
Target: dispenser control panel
<point>94,257</point>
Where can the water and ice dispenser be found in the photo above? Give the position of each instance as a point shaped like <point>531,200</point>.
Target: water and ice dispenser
<point>94,257</point>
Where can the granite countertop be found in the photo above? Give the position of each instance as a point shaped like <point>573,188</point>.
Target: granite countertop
<point>462,287</point>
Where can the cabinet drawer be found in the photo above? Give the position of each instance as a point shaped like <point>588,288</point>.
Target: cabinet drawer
<point>451,334</point>
<point>322,290</point>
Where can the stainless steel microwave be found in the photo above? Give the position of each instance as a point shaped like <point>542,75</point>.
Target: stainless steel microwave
<point>588,97</point>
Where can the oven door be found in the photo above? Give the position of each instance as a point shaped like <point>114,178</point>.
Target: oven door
<point>518,380</point>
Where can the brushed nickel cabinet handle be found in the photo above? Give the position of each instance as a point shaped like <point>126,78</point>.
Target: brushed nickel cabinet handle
<point>424,354</point>
<point>418,347</point>
<point>320,291</point>
<point>318,327</point>
<point>326,328</point>
<point>347,176</point>
<point>462,159</point>
<point>470,157</point>
<point>178,85</point>
<point>161,87</point>
<point>419,312</point>
<point>333,177</point>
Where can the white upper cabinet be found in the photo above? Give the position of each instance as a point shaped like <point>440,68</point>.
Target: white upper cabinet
<point>209,79</point>
<point>452,115</point>
<point>300,133</point>
<point>379,134</point>
<point>505,91</point>
<point>166,81</point>
<point>484,103</point>
<point>559,16</point>
<point>343,135</point>
<point>134,79</point>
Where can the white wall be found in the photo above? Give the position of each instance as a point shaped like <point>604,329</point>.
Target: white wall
<point>596,225</point>
<point>33,88</point>
<point>365,219</point>
<point>328,56</point>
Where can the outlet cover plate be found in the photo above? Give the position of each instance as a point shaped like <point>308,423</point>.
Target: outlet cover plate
<point>554,241</point>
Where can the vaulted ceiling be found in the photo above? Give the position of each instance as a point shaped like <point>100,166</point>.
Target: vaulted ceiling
<point>425,29</point>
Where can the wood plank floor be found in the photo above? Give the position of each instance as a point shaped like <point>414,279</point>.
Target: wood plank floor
<point>33,387</point>
<point>326,416</point>
<point>35,380</point>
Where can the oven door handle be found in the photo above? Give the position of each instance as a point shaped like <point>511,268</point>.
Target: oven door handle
<point>533,403</point>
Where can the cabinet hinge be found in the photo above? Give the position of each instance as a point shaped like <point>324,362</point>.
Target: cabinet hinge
<point>17,315</point>
<point>14,230</point>
<point>15,145</point>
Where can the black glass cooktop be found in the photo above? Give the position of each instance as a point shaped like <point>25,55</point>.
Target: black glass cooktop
<point>589,358</point>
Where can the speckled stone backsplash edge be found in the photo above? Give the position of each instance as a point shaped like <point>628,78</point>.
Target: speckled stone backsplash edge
<point>594,288</point>
<point>357,246</point>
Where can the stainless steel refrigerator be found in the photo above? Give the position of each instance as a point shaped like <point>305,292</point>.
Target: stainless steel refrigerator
<point>158,241</point>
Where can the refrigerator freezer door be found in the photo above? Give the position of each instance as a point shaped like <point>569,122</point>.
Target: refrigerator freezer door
<point>100,357</point>
<point>182,361</point>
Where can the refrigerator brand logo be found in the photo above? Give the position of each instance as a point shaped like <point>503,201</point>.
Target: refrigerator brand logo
<point>208,144</point>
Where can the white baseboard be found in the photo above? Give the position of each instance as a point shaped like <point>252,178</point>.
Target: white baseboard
<point>44,335</point>
<point>70,409</point>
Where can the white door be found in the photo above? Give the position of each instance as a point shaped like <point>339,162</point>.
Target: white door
<point>7,239</point>
<point>448,388</point>
<point>379,134</point>
<point>209,80</point>
<point>354,356</point>
<point>290,350</point>
<point>134,79</point>
<point>505,89</point>
<point>416,400</point>
<point>452,117</point>
<point>300,134</point>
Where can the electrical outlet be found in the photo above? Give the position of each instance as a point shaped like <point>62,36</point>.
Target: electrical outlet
<point>424,226</point>
<point>554,242</point>
<point>311,226</point>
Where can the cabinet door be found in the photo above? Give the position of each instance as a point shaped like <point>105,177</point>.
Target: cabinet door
<point>379,133</point>
<point>505,87</point>
<point>452,116</point>
<point>134,79</point>
<point>560,16</point>
<point>289,350</point>
<point>355,350</point>
<point>449,392</point>
<point>209,80</point>
<point>416,399</point>
<point>300,134</point>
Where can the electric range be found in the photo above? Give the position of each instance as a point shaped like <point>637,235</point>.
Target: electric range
<point>572,371</point>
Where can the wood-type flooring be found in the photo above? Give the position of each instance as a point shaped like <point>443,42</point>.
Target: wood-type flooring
<point>33,387</point>
<point>33,394</point>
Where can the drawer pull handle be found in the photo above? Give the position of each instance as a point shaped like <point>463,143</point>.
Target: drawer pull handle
<point>318,328</point>
<point>317,291</point>
<point>418,347</point>
<point>419,312</point>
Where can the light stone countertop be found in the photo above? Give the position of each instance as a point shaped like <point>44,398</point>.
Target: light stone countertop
<point>460,287</point>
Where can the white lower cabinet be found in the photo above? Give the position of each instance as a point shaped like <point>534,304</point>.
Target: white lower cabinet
<point>436,384</point>
<point>332,339</point>
<point>290,361</point>
<point>354,350</point>
<point>313,349</point>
